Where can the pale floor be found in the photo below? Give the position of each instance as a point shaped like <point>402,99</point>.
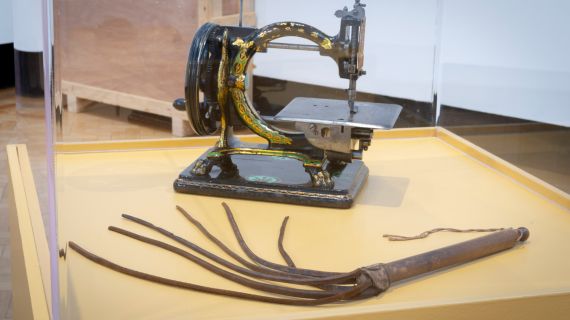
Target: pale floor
<point>25,124</point>
<point>542,154</point>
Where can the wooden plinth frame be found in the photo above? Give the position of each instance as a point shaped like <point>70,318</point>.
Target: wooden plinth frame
<point>31,282</point>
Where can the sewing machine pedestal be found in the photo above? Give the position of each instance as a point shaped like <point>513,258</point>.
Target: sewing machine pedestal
<point>276,179</point>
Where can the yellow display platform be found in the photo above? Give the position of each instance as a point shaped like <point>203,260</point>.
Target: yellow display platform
<point>29,256</point>
<point>419,179</point>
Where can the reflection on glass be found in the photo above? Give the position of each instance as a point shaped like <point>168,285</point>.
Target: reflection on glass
<point>505,84</point>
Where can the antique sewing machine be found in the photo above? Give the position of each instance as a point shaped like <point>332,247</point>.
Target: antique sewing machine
<point>314,147</point>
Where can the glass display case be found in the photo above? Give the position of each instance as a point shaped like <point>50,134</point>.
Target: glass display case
<point>138,100</point>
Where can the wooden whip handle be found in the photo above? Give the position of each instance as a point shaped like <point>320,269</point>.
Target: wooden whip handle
<point>455,254</point>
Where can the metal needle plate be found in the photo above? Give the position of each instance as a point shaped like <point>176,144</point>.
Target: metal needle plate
<point>336,112</point>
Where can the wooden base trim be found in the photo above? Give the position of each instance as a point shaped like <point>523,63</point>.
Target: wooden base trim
<point>80,96</point>
<point>129,145</point>
<point>487,158</point>
<point>31,282</point>
<point>404,133</point>
<point>249,19</point>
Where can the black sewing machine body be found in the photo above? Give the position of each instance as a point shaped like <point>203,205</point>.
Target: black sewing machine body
<point>316,160</point>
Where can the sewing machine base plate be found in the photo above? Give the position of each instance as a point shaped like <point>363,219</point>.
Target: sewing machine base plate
<point>275,179</point>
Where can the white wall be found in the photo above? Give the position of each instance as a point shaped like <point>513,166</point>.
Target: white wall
<point>6,21</point>
<point>507,57</point>
<point>398,51</point>
<point>27,24</point>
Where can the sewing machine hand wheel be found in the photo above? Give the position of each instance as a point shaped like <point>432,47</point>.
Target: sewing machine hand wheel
<point>201,77</point>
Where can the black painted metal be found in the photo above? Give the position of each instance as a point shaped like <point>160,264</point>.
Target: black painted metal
<point>29,73</point>
<point>7,79</point>
<point>275,179</point>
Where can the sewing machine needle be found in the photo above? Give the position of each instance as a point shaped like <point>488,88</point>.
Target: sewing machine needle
<point>240,13</point>
<point>352,95</point>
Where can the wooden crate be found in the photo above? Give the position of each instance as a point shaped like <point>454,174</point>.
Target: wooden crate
<point>133,54</point>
